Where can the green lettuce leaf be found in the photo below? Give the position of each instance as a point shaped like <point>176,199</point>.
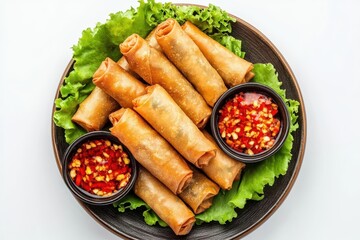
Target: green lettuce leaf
<point>132,202</point>
<point>220,211</point>
<point>103,41</point>
<point>210,20</point>
<point>230,43</point>
<point>256,176</point>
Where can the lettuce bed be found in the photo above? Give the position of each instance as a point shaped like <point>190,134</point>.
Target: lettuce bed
<point>103,41</point>
<point>255,176</point>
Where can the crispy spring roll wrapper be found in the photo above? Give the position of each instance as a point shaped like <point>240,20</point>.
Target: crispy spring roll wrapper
<point>160,110</point>
<point>200,192</point>
<point>233,69</point>
<point>222,169</point>
<point>155,68</point>
<point>187,57</point>
<point>94,111</point>
<point>118,83</point>
<point>150,149</point>
<point>151,39</point>
<point>165,204</point>
<point>125,65</point>
<point>249,76</point>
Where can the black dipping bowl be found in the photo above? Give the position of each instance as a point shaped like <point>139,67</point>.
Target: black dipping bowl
<point>80,193</point>
<point>283,115</point>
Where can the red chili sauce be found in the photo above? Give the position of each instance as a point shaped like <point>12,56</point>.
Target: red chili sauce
<point>248,122</point>
<point>100,167</point>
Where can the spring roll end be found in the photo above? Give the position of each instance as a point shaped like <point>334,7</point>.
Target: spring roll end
<point>184,183</point>
<point>140,100</point>
<point>165,28</point>
<point>143,98</point>
<point>205,158</point>
<point>249,76</point>
<point>201,124</point>
<point>115,117</point>
<point>102,70</point>
<point>88,127</point>
<point>187,226</point>
<point>129,44</point>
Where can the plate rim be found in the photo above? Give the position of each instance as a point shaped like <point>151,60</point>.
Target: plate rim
<point>302,110</point>
<point>299,159</point>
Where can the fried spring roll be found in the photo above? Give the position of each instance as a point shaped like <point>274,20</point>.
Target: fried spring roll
<point>150,149</point>
<point>155,68</point>
<point>200,192</point>
<point>222,169</point>
<point>94,111</point>
<point>165,204</point>
<point>125,65</point>
<point>233,69</point>
<point>151,39</point>
<point>167,118</point>
<point>118,83</point>
<point>187,57</point>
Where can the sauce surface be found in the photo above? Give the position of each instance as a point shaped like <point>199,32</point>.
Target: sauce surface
<point>100,167</point>
<point>248,122</point>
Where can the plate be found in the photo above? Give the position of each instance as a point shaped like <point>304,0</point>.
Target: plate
<point>131,223</point>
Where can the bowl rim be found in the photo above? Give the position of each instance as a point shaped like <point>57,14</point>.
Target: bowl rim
<point>283,114</point>
<point>303,133</point>
<point>299,159</point>
<point>80,193</point>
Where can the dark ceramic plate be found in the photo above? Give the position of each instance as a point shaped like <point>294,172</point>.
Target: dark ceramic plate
<point>131,224</point>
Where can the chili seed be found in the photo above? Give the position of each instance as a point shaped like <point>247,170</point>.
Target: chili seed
<point>98,167</point>
<point>247,119</point>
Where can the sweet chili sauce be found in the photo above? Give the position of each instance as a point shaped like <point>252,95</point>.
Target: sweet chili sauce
<point>100,167</point>
<point>248,122</point>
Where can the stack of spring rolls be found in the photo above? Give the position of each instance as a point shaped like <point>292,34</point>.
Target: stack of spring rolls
<point>158,97</point>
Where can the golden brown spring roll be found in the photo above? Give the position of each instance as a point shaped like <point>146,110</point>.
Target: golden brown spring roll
<point>150,149</point>
<point>151,39</point>
<point>94,111</point>
<point>200,192</point>
<point>233,69</point>
<point>155,68</point>
<point>166,117</point>
<point>187,57</point>
<point>222,169</point>
<point>125,65</point>
<point>249,76</point>
<point>165,204</point>
<point>118,83</point>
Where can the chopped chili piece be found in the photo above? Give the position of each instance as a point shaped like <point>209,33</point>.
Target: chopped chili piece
<point>248,122</point>
<point>100,167</point>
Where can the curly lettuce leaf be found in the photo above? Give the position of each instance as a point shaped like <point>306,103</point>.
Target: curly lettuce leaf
<point>103,41</point>
<point>230,43</point>
<point>209,20</point>
<point>256,176</point>
<point>221,211</point>
<point>132,202</point>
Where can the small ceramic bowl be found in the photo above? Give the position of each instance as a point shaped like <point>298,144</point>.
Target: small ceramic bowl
<point>80,192</point>
<point>282,115</point>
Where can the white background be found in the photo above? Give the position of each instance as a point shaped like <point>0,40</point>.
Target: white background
<point>320,40</point>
